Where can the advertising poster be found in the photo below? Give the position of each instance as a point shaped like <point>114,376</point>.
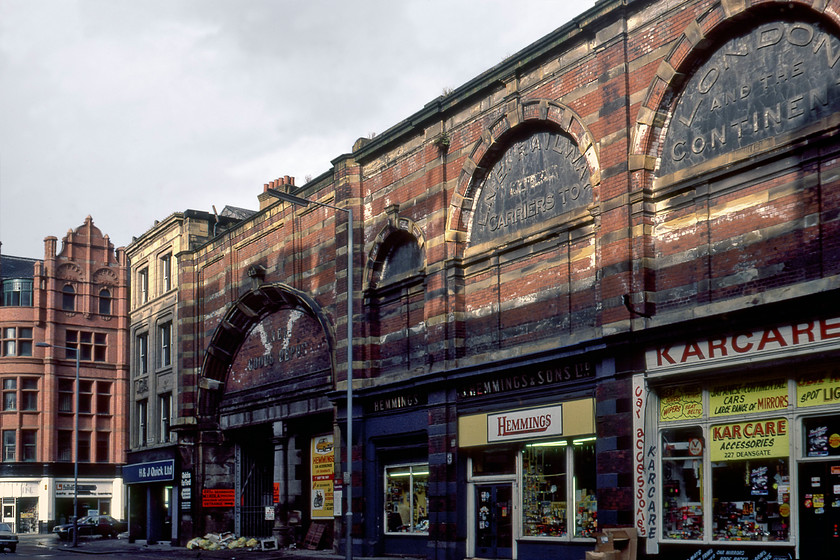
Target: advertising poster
<point>748,398</point>
<point>323,474</point>
<point>819,389</point>
<point>680,403</point>
<point>750,440</point>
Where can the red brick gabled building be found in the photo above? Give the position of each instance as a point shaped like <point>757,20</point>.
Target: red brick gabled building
<point>595,286</point>
<point>75,300</point>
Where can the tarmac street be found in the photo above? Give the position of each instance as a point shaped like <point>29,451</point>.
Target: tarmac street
<point>49,546</point>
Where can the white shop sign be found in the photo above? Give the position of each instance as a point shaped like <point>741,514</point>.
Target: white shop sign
<point>525,424</point>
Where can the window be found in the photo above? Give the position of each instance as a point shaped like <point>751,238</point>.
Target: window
<point>103,397</point>
<point>65,445</point>
<point>65,395</point>
<point>92,346</point>
<point>29,393</point>
<point>103,446</point>
<point>9,445</point>
<point>85,396</point>
<point>84,447</point>
<point>142,353</point>
<point>165,417</point>
<point>28,440</point>
<point>68,298</point>
<point>142,422</point>
<point>104,301</point>
<point>10,394</point>
<point>406,507</point>
<point>17,292</point>
<point>165,331</point>
<point>16,341</point>
<point>143,285</point>
<point>558,489</point>
<point>166,272</point>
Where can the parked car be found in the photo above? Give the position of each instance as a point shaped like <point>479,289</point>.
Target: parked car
<point>104,526</point>
<point>8,538</point>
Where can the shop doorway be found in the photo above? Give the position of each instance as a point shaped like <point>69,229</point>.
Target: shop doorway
<point>493,520</point>
<point>819,510</point>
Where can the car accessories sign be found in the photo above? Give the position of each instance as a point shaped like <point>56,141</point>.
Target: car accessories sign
<point>750,440</point>
<point>525,424</point>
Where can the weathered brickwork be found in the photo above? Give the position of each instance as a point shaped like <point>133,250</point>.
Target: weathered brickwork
<point>670,201</point>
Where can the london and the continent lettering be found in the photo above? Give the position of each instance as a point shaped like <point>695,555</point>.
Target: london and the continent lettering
<point>734,100</point>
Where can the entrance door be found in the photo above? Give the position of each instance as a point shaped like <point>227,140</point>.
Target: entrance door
<point>493,520</point>
<point>819,510</point>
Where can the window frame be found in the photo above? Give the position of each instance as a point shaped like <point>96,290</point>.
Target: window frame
<point>9,446</point>
<point>164,345</point>
<point>166,272</point>
<point>105,302</point>
<point>16,341</point>
<point>414,511</point>
<point>142,349</point>
<point>68,298</point>
<point>143,285</point>
<point>165,417</point>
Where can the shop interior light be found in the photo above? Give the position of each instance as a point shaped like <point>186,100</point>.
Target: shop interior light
<point>561,443</point>
<point>583,440</point>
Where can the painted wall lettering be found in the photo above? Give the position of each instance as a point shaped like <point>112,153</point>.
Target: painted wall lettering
<point>536,178</point>
<point>774,79</point>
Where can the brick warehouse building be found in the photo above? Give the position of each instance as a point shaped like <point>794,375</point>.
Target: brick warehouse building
<point>75,298</point>
<point>595,286</point>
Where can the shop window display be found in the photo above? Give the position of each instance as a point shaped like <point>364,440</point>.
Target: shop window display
<point>682,483</point>
<point>752,500</point>
<point>406,509</point>
<point>551,473</point>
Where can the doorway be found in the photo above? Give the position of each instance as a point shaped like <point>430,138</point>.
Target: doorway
<point>819,510</point>
<point>493,520</point>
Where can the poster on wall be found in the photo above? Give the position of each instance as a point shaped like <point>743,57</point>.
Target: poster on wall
<point>747,398</point>
<point>323,474</point>
<point>680,403</point>
<point>750,440</point>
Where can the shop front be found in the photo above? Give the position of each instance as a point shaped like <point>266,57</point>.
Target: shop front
<point>396,429</point>
<point>153,497</point>
<point>738,444</point>
<point>531,479</point>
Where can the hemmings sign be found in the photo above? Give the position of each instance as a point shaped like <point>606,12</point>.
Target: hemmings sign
<point>525,424</point>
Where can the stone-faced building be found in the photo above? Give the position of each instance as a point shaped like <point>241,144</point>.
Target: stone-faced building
<point>76,301</point>
<point>595,286</point>
<point>154,334</point>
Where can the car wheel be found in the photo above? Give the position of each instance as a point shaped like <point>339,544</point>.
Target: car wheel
<point>13,547</point>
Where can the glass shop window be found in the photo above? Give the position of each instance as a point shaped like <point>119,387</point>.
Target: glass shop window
<point>682,483</point>
<point>406,507</point>
<point>559,489</point>
<point>751,488</point>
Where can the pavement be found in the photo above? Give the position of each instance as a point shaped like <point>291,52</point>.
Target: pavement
<point>141,549</point>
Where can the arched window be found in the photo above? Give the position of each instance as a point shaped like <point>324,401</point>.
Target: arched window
<point>402,256</point>
<point>68,298</point>
<point>104,301</point>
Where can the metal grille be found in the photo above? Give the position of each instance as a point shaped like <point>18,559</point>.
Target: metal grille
<point>255,490</point>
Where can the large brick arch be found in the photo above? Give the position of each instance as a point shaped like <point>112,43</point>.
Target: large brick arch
<point>692,44</point>
<point>251,308</point>
<point>494,140</point>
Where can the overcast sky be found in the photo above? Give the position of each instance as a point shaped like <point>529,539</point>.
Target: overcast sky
<point>129,110</point>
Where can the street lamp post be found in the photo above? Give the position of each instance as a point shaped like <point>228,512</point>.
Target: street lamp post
<point>348,478</point>
<point>75,442</point>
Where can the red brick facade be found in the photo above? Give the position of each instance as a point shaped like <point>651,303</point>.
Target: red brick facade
<point>78,300</point>
<point>648,171</point>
